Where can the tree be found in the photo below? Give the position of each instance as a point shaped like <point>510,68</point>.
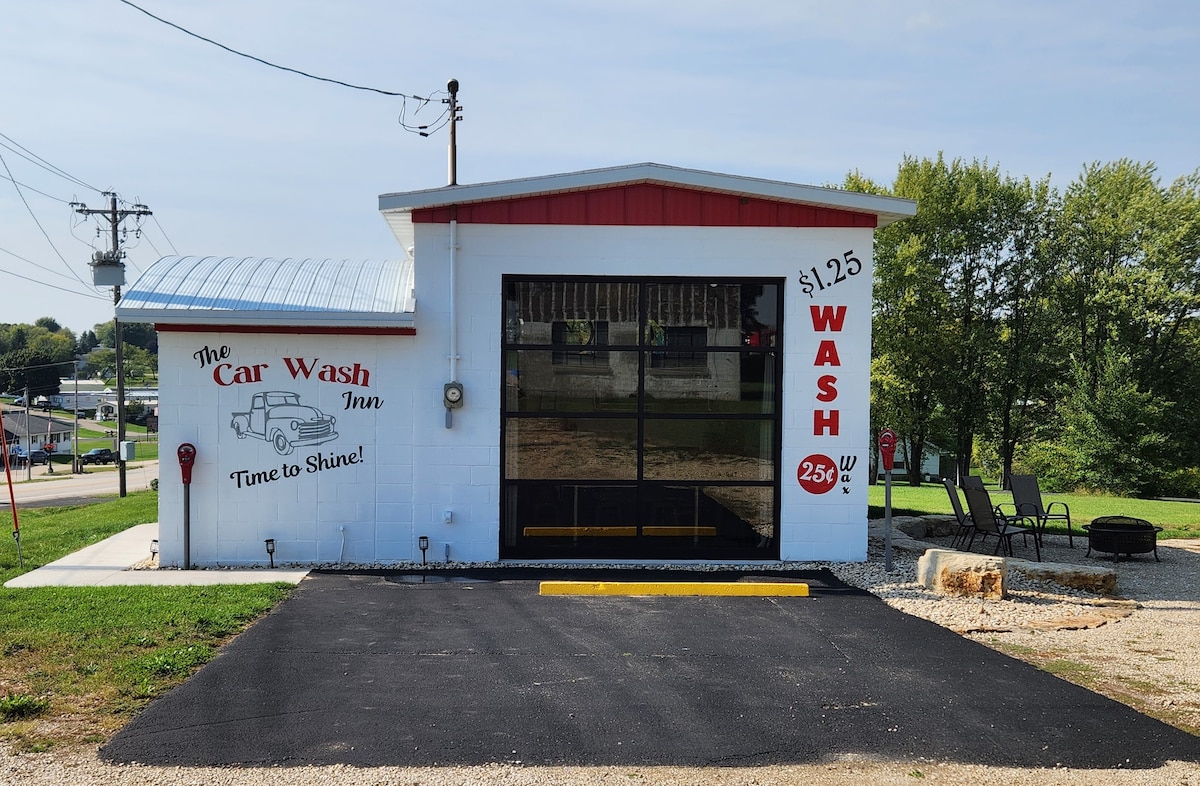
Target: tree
<point>1027,358</point>
<point>1113,433</point>
<point>905,361</point>
<point>938,306</point>
<point>140,334</point>
<point>1129,288</point>
<point>24,370</point>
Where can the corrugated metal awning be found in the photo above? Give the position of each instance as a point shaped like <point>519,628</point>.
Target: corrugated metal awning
<point>250,291</point>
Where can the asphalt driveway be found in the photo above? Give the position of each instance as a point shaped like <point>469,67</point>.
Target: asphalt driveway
<point>373,669</point>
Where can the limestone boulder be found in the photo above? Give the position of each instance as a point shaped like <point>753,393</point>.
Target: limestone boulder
<point>961,573</point>
<point>1102,581</point>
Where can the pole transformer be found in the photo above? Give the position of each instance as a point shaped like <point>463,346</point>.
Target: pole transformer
<point>108,268</point>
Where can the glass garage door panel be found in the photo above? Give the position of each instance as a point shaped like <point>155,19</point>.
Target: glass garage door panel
<point>537,380</point>
<point>569,448</point>
<point>699,450</point>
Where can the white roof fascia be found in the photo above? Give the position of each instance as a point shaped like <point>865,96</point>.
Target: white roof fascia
<point>888,209</point>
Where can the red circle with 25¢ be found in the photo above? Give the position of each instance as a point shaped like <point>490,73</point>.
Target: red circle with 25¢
<point>817,474</point>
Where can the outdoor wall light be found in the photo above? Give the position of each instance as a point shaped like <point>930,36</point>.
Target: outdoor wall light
<point>270,544</point>
<point>423,545</point>
<point>154,548</point>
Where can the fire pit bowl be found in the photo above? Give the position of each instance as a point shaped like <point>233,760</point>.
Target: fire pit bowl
<point>1119,535</point>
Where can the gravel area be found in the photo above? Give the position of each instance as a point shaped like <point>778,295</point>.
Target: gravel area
<point>1142,644</point>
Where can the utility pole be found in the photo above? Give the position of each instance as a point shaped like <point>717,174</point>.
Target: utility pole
<point>108,269</point>
<point>28,439</point>
<point>452,87</point>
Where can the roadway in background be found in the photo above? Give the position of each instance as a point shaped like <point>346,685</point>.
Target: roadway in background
<point>63,488</point>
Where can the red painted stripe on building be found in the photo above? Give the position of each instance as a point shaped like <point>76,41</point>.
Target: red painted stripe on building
<point>302,330</point>
<point>646,204</point>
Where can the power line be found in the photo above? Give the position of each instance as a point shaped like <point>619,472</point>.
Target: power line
<point>28,187</point>
<point>40,365</point>
<point>39,223</point>
<point>34,158</point>
<point>52,286</point>
<point>38,265</point>
<point>266,62</point>
<point>164,234</point>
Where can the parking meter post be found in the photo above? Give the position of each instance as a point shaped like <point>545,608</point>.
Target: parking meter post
<point>887,521</point>
<point>887,452</point>
<point>187,459</point>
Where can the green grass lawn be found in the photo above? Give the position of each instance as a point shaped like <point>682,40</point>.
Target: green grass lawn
<point>77,662</point>
<point>1178,519</point>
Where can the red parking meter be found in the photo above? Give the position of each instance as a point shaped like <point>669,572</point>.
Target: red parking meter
<point>887,448</point>
<point>187,457</point>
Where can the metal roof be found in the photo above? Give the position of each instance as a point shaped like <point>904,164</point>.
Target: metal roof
<point>266,291</point>
<point>888,209</point>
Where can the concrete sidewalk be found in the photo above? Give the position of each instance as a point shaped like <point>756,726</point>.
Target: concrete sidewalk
<point>108,563</point>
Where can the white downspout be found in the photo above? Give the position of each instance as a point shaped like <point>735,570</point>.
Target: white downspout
<point>453,314</point>
<point>453,302</point>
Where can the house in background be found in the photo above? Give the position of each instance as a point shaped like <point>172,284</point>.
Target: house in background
<point>22,436</point>
<point>636,364</point>
<point>936,462</point>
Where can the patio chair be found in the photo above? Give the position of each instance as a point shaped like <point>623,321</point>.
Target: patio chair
<point>972,482</point>
<point>964,526</point>
<point>1027,500</point>
<point>990,520</point>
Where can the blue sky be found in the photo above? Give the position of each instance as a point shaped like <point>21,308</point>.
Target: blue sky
<point>238,159</point>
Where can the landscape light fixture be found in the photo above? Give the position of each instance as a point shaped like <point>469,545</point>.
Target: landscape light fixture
<point>154,548</point>
<point>270,544</point>
<point>423,544</point>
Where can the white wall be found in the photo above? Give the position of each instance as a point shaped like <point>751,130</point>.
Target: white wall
<point>303,508</point>
<point>409,468</point>
<point>829,525</point>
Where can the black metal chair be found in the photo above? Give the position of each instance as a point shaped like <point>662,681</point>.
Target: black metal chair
<point>964,528</point>
<point>990,520</point>
<point>1027,500</point>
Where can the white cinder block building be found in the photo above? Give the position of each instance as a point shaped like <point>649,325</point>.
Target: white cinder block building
<point>651,364</point>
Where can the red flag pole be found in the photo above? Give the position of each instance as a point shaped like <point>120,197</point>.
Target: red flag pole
<point>12,499</point>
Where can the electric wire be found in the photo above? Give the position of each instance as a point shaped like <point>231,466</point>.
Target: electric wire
<point>39,266</point>
<point>39,223</point>
<point>265,62</point>
<point>157,253</point>
<point>422,130</point>
<point>52,286</point>
<point>28,187</point>
<point>34,158</point>
<point>40,365</point>
<point>164,234</point>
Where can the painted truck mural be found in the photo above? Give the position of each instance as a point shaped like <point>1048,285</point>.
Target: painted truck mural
<point>278,417</point>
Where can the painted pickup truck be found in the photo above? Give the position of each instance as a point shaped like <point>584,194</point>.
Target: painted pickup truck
<point>279,418</point>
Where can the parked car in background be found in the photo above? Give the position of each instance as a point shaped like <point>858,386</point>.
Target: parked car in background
<point>38,457</point>
<point>98,456</point>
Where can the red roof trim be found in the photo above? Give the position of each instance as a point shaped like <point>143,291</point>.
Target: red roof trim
<point>303,330</point>
<point>646,204</point>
